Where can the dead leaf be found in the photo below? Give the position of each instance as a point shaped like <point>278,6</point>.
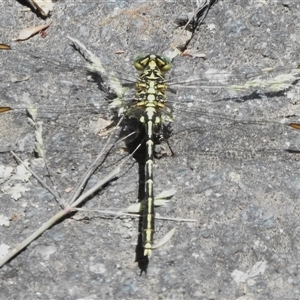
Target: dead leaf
<point>193,53</point>
<point>102,127</point>
<point>44,7</point>
<point>295,125</point>
<point>165,239</point>
<point>68,190</point>
<point>29,32</point>
<point>4,47</point>
<point>4,109</point>
<point>14,217</point>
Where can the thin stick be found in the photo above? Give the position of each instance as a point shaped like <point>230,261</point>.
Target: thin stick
<point>59,216</point>
<point>91,169</point>
<point>63,213</point>
<point>121,213</point>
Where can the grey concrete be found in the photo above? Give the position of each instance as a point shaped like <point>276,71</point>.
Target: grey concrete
<point>234,178</point>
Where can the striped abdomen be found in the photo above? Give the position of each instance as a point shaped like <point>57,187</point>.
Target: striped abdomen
<point>150,97</point>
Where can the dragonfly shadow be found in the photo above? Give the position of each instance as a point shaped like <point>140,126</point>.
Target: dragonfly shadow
<point>253,96</point>
<point>259,95</point>
<point>98,77</point>
<point>102,85</point>
<point>134,133</point>
<point>292,151</point>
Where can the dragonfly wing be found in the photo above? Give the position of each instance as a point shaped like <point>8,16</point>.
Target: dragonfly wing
<point>274,79</point>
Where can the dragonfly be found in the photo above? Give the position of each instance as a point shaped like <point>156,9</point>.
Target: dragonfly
<point>156,100</point>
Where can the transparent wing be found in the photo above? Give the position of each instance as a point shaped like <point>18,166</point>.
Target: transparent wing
<point>81,98</point>
<point>274,79</point>
<point>243,115</point>
<point>49,97</point>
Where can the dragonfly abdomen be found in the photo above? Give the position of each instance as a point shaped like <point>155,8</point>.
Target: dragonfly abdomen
<point>148,215</point>
<point>150,97</point>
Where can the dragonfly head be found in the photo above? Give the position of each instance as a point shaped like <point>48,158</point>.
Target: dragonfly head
<point>152,61</point>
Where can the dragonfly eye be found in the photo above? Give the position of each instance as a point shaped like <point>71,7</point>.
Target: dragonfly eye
<point>163,63</point>
<point>141,62</point>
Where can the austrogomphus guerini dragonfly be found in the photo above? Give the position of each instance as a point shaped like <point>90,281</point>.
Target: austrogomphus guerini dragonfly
<point>226,129</point>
